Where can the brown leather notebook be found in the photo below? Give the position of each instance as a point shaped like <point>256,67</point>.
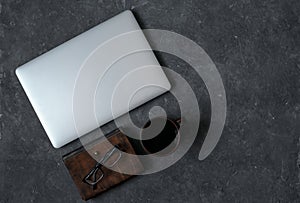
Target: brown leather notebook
<point>93,178</point>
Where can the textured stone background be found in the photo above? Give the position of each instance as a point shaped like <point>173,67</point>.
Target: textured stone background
<point>256,47</point>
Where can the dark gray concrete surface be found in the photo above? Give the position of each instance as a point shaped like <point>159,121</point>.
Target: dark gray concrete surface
<point>256,47</point>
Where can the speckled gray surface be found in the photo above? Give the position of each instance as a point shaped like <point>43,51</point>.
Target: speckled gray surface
<point>256,47</point>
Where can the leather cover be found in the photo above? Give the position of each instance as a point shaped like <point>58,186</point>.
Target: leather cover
<point>79,163</point>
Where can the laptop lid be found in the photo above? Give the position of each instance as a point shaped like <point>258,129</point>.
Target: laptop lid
<point>100,64</point>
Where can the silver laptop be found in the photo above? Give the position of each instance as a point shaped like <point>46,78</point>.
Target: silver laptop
<point>103,72</point>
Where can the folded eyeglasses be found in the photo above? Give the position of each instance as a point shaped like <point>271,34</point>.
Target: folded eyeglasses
<point>109,160</point>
